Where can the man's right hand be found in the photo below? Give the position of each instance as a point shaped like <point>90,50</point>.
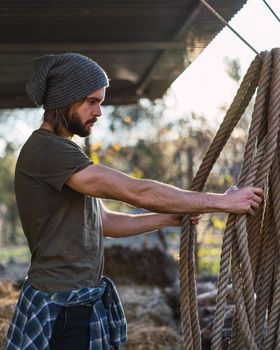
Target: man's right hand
<point>244,200</point>
<point>103,182</point>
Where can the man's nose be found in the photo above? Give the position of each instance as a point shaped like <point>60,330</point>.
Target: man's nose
<point>97,112</point>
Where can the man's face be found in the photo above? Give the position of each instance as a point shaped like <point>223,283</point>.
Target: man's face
<point>83,119</point>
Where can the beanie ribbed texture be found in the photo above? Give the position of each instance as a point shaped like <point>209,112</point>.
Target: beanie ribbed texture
<point>60,80</point>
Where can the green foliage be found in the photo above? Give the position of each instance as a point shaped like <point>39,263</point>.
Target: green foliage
<point>208,261</point>
<point>149,145</point>
<point>233,68</point>
<point>209,248</point>
<point>218,223</point>
<point>18,253</point>
<point>10,227</point>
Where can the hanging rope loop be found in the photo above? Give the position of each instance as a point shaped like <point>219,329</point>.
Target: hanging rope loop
<point>249,245</point>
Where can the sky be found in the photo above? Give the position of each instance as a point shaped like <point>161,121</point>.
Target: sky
<point>205,85</point>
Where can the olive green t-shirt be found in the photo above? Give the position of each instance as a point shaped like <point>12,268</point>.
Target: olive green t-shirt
<point>63,227</point>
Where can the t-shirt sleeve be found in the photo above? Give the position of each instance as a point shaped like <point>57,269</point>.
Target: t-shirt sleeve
<point>58,161</point>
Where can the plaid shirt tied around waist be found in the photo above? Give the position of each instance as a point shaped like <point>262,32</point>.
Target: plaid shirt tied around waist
<point>36,313</point>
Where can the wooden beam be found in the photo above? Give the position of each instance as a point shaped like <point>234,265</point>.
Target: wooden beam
<point>114,46</point>
<point>161,56</point>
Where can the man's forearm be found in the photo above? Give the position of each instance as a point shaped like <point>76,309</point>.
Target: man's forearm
<point>117,225</point>
<point>162,198</point>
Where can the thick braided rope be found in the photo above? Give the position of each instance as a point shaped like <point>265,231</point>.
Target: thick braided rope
<point>223,277</point>
<point>274,108</point>
<point>238,279</point>
<point>272,134</point>
<point>222,285</point>
<point>273,120</point>
<point>239,302</point>
<point>226,246</point>
<point>265,277</point>
<point>271,143</point>
<point>258,123</point>
<point>274,315</point>
<point>258,114</point>
<point>233,115</point>
<point>239,239</point>
<point>273,322</point>
<point>190,326</point>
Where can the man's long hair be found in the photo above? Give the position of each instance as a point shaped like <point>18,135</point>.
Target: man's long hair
<point>59,117</point>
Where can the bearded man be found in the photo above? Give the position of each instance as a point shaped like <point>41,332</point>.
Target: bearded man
<point>65,302</point>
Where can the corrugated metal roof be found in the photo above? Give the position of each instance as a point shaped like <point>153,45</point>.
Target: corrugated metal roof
<point>143,45</point>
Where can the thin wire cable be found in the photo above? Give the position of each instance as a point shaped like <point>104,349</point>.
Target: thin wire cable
<point>269,7</point>
<point>229,26</point>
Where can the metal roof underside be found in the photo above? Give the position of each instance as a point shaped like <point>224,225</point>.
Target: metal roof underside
<point>143,45</point>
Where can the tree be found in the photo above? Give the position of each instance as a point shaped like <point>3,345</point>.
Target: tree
<point>10,229</point>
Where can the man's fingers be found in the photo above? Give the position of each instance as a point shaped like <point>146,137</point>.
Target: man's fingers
<point>195,222</point>
<point>258,191</point>
<point>257,195</point>
<point>257,199</point>
<point>255,204</point>
<point>246,200</point>
<point>251,212</point>
<point>195,219</point>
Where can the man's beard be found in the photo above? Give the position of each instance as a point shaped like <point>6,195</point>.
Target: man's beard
<point>75,126</point>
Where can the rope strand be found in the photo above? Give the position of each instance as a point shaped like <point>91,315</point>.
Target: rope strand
<point>250,244</point>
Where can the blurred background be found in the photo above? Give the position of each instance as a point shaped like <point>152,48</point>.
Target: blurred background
<point>163,139</point>
<point>149,140</point>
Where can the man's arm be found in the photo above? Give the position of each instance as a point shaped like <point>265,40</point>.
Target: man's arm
<point>103,182</point>
<point>117,225</point>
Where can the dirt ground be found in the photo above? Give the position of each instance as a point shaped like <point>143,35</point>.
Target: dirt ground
<point>8,298</point>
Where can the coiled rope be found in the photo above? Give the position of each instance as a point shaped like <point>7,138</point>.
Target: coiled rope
<point>251,245</point>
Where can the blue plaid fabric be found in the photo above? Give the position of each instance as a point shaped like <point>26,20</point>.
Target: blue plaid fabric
<point>36,312</point>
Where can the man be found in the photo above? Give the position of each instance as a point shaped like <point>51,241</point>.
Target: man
<point>65,302</point>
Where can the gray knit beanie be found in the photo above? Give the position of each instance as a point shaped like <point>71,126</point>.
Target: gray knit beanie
<point>60,80</point>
